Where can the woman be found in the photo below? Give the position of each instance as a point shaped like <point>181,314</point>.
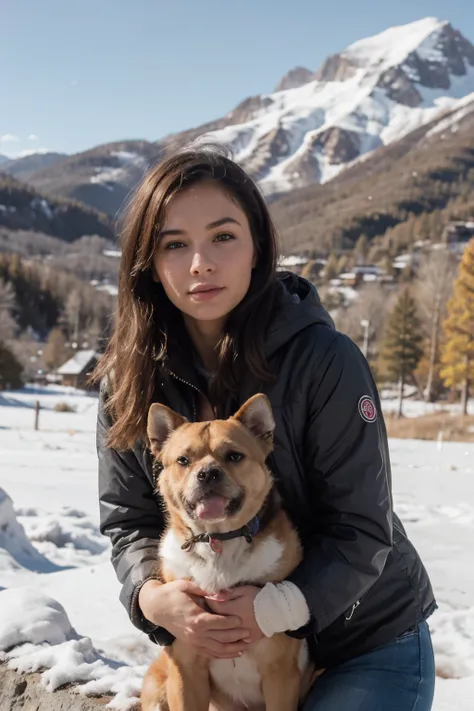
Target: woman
<point>204,321</point>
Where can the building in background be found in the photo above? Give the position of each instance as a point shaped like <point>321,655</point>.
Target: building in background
<point>75,372</point>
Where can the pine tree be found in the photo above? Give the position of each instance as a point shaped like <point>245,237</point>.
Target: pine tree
<point>402,344</point>
<point>457,354</point>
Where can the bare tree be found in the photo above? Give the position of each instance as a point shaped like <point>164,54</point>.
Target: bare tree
<point>55,351</point>
<point>8,325</point>
<point>433,287</point>
<point>364,318</point>
<point>73,312</point>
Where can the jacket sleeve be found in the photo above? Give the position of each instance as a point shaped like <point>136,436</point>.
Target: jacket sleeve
<point>347,463</point>
<point>131,517</point>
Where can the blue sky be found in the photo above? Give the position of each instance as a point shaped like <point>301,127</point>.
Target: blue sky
<point>77,73</point>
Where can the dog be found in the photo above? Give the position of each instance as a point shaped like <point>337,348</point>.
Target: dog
<point>225,527</point>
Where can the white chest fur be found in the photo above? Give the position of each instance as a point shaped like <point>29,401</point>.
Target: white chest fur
<point>238,562</point>
<point>240,678</point>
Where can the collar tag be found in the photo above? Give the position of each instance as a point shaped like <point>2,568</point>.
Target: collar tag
<point>215,545</point>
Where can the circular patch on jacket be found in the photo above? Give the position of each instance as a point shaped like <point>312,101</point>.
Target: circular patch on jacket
<point>367,409</point>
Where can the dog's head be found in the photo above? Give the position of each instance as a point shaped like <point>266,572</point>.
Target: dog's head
<point>214,474</point>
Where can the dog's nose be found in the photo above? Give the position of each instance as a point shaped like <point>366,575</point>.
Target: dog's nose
<point>209,474</point>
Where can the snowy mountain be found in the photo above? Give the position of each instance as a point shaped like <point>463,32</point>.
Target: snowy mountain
<point>100,177</point>
<point>371,94</point>
<point>427,171</point>
<point>23,167</point>
<point>311,127</point>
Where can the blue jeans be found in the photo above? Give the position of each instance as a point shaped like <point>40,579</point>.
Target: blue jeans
<point>399,676</point>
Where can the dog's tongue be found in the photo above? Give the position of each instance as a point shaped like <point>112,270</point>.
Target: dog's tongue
<point>212,507</point>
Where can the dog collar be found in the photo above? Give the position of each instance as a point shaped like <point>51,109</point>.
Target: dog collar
<point>214,539</point>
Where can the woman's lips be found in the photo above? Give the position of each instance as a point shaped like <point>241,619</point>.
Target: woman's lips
<point>205,295</point>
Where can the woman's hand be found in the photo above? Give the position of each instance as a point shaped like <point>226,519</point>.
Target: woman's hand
<point>174,606</point>
<point>239,602</point>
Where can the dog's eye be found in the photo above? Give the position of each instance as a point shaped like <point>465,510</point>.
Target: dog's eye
<point>184,461</point>
<point>235,457</point>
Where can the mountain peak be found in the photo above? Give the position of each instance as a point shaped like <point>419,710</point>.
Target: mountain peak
<point>294,78</point>
<point>394,45</point>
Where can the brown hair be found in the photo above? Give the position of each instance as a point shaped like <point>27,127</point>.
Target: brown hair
<point>146,319</point>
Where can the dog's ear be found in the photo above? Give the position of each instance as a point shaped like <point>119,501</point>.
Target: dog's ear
<point>256,414</point>
<point>162,421</point>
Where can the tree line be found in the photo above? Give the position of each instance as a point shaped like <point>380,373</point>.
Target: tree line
<point>420,333</point>
<point>45,315</point>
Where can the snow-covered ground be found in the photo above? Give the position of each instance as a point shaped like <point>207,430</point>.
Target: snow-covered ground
<point>60,612</point>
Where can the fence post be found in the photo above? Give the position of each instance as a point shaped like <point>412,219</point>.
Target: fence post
<point>37,410</point>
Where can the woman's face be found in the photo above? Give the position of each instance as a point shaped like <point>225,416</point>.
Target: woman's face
<point>204,253</point>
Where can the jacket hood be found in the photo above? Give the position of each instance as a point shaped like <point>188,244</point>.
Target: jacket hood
<point>299,306</point>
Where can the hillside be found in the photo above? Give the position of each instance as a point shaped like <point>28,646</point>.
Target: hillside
<point>101,177</point>
<point>430,171</point>
<point>22,168</point>
<point>23,208</point>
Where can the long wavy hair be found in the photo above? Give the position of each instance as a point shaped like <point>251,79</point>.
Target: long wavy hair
<point>146,321</point>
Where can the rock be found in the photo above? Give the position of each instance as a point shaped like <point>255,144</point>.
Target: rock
<point>25,692</point>
<point>337,67</point>
<point>294,78</point>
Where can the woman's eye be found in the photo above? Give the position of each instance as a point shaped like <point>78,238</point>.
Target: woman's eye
<point>183,461</point>
<point>235,457</point>
<point>224,237</point>
<point>173,245</point>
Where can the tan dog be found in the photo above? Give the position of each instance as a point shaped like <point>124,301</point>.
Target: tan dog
<point>214,481</point>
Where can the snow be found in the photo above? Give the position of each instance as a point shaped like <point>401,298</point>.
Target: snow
<point>417,408</point>
<point>395,44</point>
<point>464,108</point>
<point>292,261</point>
<point>27,616</point>
<point>59,611</point>
<point>347,293</point>
<point>115,174</point>
<point>36,634</point>
<point>44,206</point>
<point>108,289</point>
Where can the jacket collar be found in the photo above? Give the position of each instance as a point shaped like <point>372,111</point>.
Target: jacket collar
<point>297,306</point>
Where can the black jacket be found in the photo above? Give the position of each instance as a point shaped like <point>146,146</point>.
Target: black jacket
<point>363,580</point>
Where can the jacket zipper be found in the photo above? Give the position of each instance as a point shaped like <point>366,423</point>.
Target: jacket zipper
<point>348,617</point>
<point>191,386</point>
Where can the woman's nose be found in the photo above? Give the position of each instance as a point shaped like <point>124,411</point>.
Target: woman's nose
<point>201,264</point>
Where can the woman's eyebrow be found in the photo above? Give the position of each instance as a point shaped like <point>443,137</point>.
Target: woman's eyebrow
<point>222,221</point>
<point>210,226</point>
